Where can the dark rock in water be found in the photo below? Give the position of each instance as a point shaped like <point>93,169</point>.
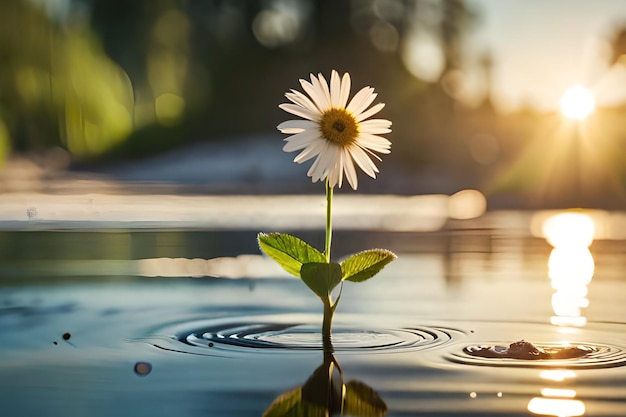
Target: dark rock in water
<point>527,351</point>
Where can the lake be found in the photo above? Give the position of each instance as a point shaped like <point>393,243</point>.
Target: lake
<point>106,314</point>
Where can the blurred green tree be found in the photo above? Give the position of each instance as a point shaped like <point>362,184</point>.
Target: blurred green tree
<point>130,78</point>
<point>224,64</point>
<point>57,87</point>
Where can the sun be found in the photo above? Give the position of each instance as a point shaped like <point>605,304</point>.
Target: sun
<point>577,103</point>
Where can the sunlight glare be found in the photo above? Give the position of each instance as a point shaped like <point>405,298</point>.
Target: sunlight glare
<point>557,392</point>
<point>569,229</point>
<point>570,265</point>
<point>558,375</point>
<point>577,103</point>
<point>556,407</point>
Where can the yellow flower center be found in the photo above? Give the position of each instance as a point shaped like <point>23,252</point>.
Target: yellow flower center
<point>339,127</point>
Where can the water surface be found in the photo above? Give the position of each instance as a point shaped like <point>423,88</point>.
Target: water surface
<point>147,332</point>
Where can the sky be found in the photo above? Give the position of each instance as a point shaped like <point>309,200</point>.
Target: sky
<point>542,47</point>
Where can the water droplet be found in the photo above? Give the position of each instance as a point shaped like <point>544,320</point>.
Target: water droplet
<point>143,368</point>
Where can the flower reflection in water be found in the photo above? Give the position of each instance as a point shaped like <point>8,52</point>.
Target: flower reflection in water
<point>570,266</point>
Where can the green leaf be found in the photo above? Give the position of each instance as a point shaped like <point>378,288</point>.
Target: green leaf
<point>364,265</point>
<point>362,401</point>
<point>289,251</point>
<point>321,277</point>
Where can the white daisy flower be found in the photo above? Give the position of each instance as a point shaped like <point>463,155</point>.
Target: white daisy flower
<point>335,132</point>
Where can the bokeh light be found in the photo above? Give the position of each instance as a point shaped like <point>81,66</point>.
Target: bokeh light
<point>467,204</point>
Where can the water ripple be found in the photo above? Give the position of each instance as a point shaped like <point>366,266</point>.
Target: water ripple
<point>599,356</point>
<point>458,342</point>
<point>595,346</point>
<point>286,333</point>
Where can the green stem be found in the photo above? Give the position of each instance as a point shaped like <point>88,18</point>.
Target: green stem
<point>329,219</point>
<point>327,325</point>
<point>329,307</point>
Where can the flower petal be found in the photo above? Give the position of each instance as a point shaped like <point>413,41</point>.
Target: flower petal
<point>296,126</point>
<point>363,161</point>
<point>314,167</point>
<point>300,99</point>
<point>325,162</point>
<point>375,126</point>
<point>309,152</point>
<point>291,130</point>
<point>335,89</point>
<point>316,95</point>
<point>369,113</point>
<point>332,174</point>
<point>336,173</point>
<point>299,111</point>
<point>362,100</point>
<point>371,154</point>
<point>301,140</point>
<point>321,83</point>
<point>350,171</point>
<point>382,122</point>
<point>358,98</point>
<point>345,90</point>
<point>374,143</point>
<point>329,155</point>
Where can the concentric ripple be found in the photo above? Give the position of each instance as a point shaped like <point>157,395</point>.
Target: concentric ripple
<point>297,334</point>
<point>592,347</point>
<point>458,342</point>
<point>600,356</point>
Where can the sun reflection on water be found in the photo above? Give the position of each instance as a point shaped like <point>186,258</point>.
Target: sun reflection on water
<point>570,265</point>
<point>558,375</point>
<point>570,268</point>
<point>559,407</point>
<point>559,402</point>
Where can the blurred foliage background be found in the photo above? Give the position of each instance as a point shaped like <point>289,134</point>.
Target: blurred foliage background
<point>113,79</point>
<point>143,75</point>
